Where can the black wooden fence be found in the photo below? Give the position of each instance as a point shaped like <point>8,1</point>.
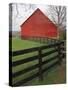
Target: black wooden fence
<point>58,48</point>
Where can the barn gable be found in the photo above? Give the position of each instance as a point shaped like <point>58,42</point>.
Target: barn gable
<point>38,25</point>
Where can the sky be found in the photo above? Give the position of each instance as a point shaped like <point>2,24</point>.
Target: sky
<point>22,16</point>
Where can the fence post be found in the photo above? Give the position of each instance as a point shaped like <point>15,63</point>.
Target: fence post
<point>63,50</point>
<point>40,64</point>
<point>59,54</point>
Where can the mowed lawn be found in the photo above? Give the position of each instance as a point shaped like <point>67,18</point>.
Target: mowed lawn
<point>19,44</point>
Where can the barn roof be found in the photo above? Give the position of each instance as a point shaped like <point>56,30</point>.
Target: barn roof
<point>36,12</point>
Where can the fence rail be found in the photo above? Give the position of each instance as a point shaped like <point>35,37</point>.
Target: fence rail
<point>58,47</point>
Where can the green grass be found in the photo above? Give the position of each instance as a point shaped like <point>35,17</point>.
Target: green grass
<point>18,44</point>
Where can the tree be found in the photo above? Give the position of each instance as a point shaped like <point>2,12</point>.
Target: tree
<point>58,15</point>
<point>25,8</point>
<point>10,17</point>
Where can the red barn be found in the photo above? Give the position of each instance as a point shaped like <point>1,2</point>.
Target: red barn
<point>38,25</point>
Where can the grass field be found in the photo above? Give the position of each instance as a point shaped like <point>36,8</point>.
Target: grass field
<point>50,77</point>
<point>19,44</point>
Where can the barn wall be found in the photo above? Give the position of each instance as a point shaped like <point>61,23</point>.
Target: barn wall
<point>38,26</point>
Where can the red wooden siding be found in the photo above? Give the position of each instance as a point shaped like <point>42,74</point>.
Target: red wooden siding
<point>38,25</point>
